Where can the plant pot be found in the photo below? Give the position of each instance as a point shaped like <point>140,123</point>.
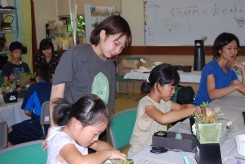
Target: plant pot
<point>10,97</point>
<point>208,133</point>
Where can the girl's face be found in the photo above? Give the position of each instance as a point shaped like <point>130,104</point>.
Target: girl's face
<point>87,135</point>
<point>111,45</point>
<point>229,52</point>
<point>166,91</point>
<point>47,52</point>
<point>16,54</point>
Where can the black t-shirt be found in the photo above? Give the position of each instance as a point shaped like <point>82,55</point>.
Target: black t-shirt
<point>10,68</point>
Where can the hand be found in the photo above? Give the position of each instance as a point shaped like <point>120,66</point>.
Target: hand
<point>45,144</point>
<point>11,77</point>
<point>236,64</point>
<point>116,154</point>
<point>240,88</point>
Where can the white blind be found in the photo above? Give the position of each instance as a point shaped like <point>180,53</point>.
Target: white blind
<point>63,5</point>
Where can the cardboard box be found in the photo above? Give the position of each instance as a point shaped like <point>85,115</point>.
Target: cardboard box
<point>167,140</point>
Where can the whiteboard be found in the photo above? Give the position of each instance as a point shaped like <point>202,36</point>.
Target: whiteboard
<point>180,22</point>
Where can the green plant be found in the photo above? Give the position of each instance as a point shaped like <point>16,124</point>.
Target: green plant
<point>21,81</point>
<point>204,38</point>
<point>206,114</point>
<point>9,87</point>
<point>80,26</point>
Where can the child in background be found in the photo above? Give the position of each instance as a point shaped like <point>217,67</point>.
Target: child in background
<point>156,110</point>
<point>84,122</point>
<point>36,95</point>
<point>15,66</point>
<point>218,78</point>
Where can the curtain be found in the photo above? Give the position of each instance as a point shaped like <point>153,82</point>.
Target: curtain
<point>25,29</point>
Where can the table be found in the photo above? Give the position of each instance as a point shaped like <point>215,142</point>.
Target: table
<point>232,106</point>
<point>185,77</point>
<point>12,112</point>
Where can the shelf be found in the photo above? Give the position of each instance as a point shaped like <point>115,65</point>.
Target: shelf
<point>7,31</point>
<point>7,11</point>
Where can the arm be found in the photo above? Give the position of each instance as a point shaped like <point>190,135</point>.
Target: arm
<point>218,93</point>
<point>72,156</point>
<point>57,91</point>
<point>176,106</point>
<point>100,145</point>
<point>28,113</point>
<point>169,117</point>
<point>237,64</point>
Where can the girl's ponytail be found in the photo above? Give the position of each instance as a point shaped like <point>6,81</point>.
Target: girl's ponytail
<point>61,111</point>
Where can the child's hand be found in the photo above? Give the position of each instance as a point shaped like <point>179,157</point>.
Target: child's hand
<point>45,144</point>
<point>11,77</point>
<point>116,154</point>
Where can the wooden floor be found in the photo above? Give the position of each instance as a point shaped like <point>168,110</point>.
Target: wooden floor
<point>127,101</point>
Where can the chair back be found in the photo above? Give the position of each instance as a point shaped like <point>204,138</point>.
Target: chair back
<point>121,127</point>
<point>3,134</point>
<point>45,116</point>
<point>27,153</point>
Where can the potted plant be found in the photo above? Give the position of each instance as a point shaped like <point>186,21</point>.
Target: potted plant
<point>206,127</point>
<point>9,92</point>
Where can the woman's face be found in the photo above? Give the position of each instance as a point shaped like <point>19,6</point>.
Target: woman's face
<point>167,91</point>
<point>111,45</point>
<point>229,52</point>
<point>47,52</point>
<point>87,135</point>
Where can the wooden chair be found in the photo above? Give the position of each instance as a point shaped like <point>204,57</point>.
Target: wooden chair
<point>121,127</point>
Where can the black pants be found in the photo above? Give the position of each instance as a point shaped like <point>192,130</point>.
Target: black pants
<point>102,137</point>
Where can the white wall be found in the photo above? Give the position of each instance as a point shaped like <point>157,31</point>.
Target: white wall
<point>44,10</point>
<point>133,12</point>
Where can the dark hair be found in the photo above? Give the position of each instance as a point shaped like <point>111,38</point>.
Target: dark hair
<point>222,40</point>
<point>89,110</point>
<point>15,46</point>
<point>162,74</point>
<point>44,72</point>
<point>46,44</point>
<point>112,25</point>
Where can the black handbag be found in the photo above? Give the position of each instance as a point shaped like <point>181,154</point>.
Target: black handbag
<point>10,97</point>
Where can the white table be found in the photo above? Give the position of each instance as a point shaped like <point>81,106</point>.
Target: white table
<point>12,112</point>
<point>185,77</point>
<point>232,106</point>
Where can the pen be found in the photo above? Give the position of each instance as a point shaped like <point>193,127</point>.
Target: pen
<point>186,160</point>
<point>239,162</point>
